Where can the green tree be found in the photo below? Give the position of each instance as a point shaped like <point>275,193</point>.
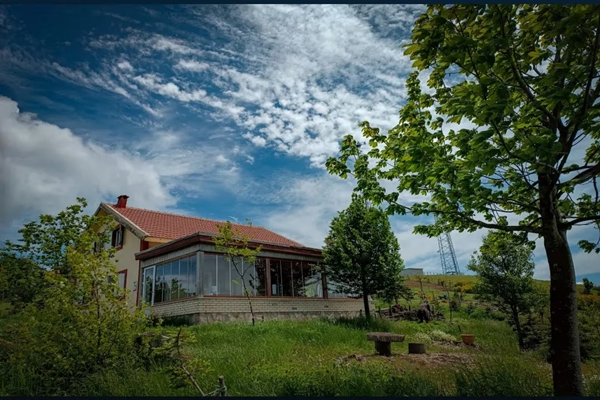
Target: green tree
<point>525,77</point>
<point>587,286</point>
<point>361,254</point>
<point>395,289</point>
<point>504,266</point>
<point>78,323</point>
<point>234,243</point>
<point>20,279</point>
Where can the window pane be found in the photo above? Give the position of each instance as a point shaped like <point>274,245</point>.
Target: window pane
<point>249,277</point>
<point>209,275</point>
<point>175,282</point>
<point>236,277</point>
<point>183,277</point>
<point>167,281</point>
<point>286,277</point>
<point>276,289</point>
<point>159,287</point>
<point>147,285</point>
<point>298,279</point>
<point>223,276</point>
<point>192,275</point>
<point>312,280</point>
<point>121,279</point>
<point>260,277</point>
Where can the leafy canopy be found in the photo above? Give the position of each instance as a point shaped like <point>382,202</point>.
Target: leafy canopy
<point>504,266</point>
<point>525,77</point>
<point>361,253</point>
<point>77,323</point>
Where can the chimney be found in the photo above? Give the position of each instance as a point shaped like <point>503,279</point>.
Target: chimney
<point>122,201</point>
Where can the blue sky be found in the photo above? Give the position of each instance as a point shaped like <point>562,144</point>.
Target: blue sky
<point>225,112</point>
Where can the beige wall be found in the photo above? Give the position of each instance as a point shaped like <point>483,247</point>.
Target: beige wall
<point>125,260</point>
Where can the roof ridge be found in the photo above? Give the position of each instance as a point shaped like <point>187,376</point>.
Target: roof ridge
<point>188,216</point>
<point>205,219</point>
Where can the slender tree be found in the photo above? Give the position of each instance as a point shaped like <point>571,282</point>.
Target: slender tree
<point>504,266</point>
<point>361,254</point>
<point>234,243</point>
<point>525,78</point>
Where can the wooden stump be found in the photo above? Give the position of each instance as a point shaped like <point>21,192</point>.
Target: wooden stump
<point>416,348</point>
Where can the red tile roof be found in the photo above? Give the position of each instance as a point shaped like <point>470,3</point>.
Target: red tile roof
<point>164,225</point>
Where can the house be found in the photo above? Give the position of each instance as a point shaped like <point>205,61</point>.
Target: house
<point>169,262</point>
<point>411,271</point>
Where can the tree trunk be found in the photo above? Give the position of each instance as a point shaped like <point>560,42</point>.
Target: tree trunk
<point>566,359</point>
<point>366,302</point>
<point>564,343</point>
<point>515,314</point>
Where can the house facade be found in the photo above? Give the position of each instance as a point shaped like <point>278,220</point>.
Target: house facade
<point>170,262</point>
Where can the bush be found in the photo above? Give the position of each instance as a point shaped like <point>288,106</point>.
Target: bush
<point>440,336</point>
<point>487,313</point>
<point>80,326</point>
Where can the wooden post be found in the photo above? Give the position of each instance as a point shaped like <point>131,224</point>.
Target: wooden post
<point>222,387</point>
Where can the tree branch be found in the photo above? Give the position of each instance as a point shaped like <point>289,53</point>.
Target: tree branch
<point>508,228</point>
<point>582,177</point>
<point>582,219</point>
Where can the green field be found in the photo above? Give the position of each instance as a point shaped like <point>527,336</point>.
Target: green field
<point>285,358</point>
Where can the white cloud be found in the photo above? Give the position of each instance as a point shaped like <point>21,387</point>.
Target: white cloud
<point>125,65</point>
<point>192,65</point>
<point>44,167</point>
<point>170,89</point>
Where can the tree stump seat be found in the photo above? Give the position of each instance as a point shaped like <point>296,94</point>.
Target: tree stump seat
<point>383,341</point>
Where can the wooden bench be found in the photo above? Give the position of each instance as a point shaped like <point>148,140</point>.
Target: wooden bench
<point>383,342</point>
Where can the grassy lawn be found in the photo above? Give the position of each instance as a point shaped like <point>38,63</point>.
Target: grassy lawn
<point>288,358</point>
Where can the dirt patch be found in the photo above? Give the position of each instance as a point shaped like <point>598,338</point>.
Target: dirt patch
<point>429,360</point>
<point>435,360</point>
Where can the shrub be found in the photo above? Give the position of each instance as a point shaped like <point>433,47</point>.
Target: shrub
<point>440,336</point>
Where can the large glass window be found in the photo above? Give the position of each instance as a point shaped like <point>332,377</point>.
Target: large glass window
<point>260,277</point>
<point>286,278</point>
<point>276,283</point>
<point>223,276</point>
<point>209,275</point>
<point>313,283</point>
<point>169,281</point>
<point>249,277</point>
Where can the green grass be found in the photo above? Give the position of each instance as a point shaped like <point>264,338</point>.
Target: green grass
<point>289,358</point>
<point>300,358</point>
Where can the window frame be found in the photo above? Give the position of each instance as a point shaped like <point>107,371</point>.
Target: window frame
<point>268,263</point>
<point>155,266</point>
<point>118,237</point>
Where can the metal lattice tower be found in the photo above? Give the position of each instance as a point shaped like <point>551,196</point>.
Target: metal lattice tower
<point>447,254</point>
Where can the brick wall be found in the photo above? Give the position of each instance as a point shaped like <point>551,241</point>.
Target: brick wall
<point>207,309</point>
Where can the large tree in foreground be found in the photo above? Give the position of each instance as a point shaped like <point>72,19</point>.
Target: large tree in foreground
<point>504,266</point>
<point>361,254</point>
<point>526,77</point>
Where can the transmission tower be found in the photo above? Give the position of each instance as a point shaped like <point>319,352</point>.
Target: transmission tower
<point>447,255</point>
